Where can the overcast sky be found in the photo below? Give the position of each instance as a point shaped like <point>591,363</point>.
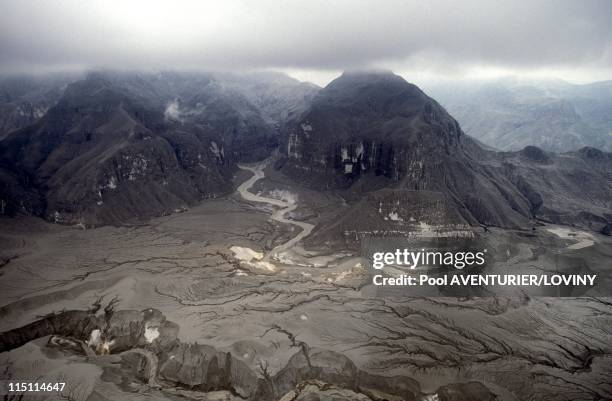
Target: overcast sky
<point>313,39</point>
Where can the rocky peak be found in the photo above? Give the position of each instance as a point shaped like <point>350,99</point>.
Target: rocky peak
<point>374,94</point>
<point>370,122</point>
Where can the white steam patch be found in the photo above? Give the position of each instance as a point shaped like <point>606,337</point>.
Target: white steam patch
<point>173,111</point>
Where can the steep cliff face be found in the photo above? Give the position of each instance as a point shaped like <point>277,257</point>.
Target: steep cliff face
<point>366,131</point>
<point>107,153</point>
<point>369,122</point>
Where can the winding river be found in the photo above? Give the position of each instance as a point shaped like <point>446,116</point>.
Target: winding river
<point>278,215</point>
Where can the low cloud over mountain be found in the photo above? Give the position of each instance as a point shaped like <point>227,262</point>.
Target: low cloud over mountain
<point>442,37</point>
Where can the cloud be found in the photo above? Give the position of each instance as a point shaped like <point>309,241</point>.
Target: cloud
<point>173,111</point>
<point>441,36</point>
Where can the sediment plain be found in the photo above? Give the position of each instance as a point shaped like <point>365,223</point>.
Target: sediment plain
<point>225,301</point>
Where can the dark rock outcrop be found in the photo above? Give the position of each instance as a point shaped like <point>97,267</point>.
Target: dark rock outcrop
<point>148,346</point>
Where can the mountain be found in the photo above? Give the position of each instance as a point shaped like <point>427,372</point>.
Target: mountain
<point>278,96</point>
<point>395,151</point>
<point>122,146</point>
<point>208,104</point>
<point>100,156</point>
<point>25,99</point>
<point>593,102</point>
<point>512,113</point>
<point>119,146</point>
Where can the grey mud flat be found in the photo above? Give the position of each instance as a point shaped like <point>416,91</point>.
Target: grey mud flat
<point>223,331</point>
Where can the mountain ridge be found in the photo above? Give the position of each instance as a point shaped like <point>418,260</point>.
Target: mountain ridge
<point>512,113</point>
<point>118,146</point>
<point>414,144</point>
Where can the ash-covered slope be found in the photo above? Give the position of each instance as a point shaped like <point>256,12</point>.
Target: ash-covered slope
<point>206,103</point>
<point>25,99</point>
<point>573,188</point>
<point>371,130</point>
<point>278,96</point>
<point>107,152</point>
